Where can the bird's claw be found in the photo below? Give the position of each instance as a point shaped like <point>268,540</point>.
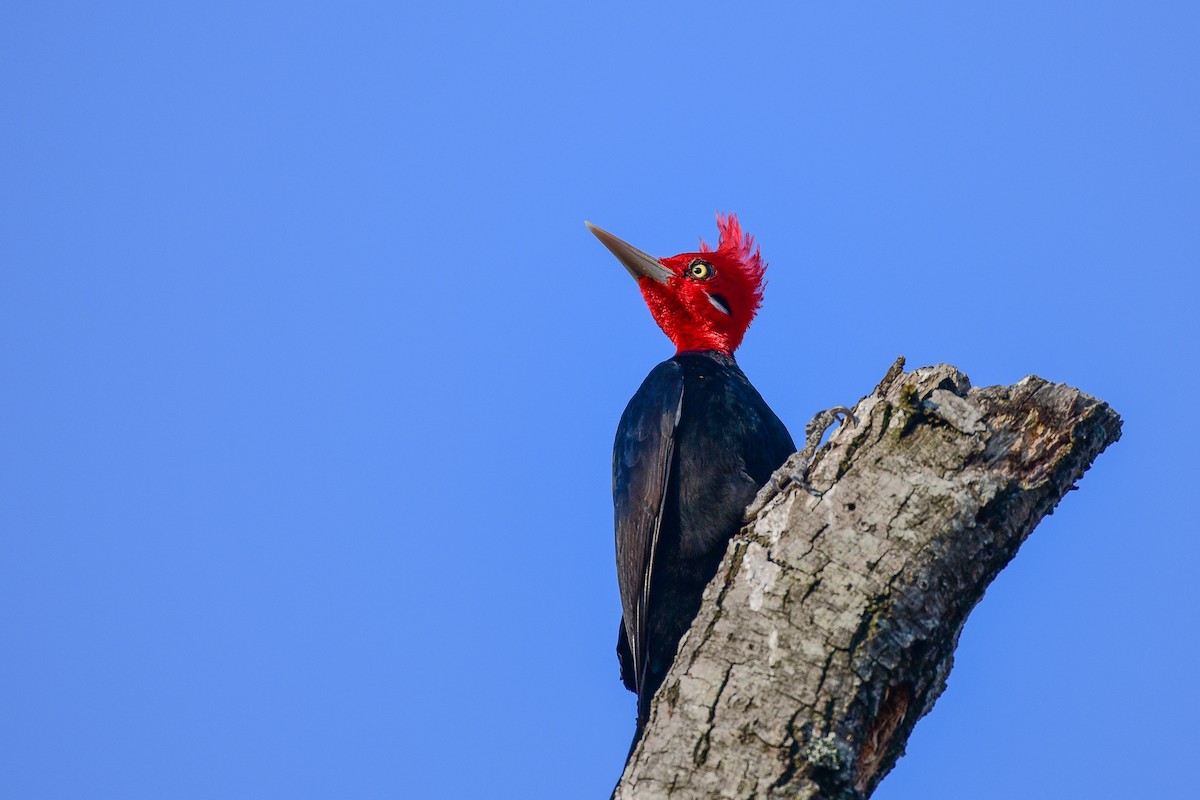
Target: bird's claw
<point>813,433</point>
<point>843,414</point>
<point>822,421</point>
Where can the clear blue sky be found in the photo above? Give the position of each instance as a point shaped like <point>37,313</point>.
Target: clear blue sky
<point>311,370</point>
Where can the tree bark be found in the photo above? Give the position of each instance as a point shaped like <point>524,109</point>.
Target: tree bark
<point>830,627</point>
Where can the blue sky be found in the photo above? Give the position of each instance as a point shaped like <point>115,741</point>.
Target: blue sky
<point>312,370</point>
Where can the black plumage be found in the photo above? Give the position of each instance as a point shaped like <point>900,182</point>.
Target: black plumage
<point>694,445</point>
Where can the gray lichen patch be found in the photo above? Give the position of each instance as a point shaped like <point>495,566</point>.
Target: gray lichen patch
<point>823,752</point>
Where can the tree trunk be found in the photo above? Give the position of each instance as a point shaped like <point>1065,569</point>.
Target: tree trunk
<point>830,627</point>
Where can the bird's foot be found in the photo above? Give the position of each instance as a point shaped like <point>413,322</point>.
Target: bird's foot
<point>796,468</point>
<point>814,432</point>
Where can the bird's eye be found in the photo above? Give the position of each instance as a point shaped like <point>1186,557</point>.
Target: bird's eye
<point>700,270</point>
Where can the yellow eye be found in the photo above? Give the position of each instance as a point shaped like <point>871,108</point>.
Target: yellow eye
<point>700,270</point>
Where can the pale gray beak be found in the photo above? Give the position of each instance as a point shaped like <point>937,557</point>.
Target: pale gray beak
<point>638,263</point>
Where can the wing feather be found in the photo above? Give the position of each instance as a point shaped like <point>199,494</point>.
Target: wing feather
<point>643,457</point>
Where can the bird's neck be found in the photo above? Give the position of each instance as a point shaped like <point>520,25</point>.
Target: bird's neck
<point>708,353</point>
<point>688,347</point>
<point>698,335</point>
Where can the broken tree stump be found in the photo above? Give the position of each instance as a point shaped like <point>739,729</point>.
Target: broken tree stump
<point>831,625</point>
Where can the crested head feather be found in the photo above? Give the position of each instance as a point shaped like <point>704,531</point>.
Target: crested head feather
<point>740,251</point>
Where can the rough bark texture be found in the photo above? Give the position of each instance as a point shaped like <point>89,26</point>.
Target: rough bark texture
<point>831,625</point>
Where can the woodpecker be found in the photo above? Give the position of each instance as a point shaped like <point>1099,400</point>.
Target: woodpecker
<point>694,445</point>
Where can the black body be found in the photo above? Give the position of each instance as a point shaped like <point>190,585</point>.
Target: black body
<point>693,447</point>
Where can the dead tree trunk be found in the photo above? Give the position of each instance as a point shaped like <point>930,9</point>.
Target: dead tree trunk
<point>831,625</point>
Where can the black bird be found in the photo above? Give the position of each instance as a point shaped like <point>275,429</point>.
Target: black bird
<point>693,447</point>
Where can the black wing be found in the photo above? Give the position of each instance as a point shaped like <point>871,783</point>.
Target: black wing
<point>643,455</point>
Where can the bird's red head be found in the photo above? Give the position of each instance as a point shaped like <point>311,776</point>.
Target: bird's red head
<point>703,300</point>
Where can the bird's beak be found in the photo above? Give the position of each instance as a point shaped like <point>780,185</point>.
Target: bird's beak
<point>638,263</point>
